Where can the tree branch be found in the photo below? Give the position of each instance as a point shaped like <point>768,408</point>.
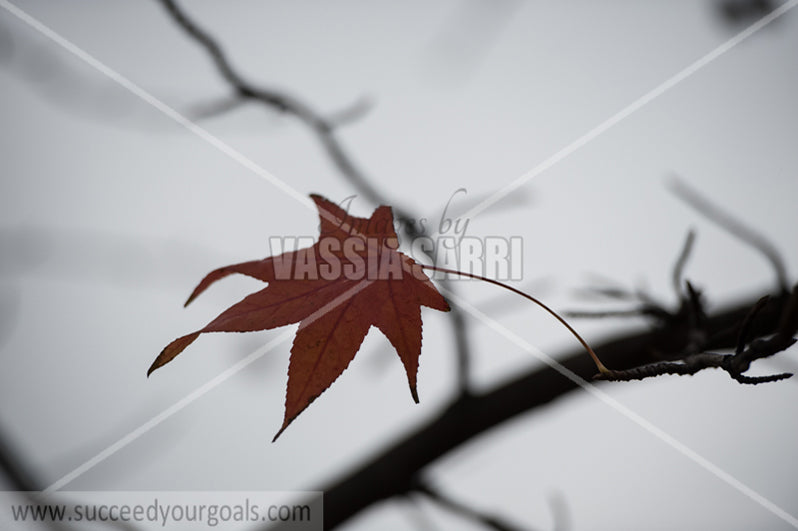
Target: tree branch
<point>681,261</point>
<point>324,130</point>
<point>392,471</point>
<point>14,468</point>
<point>487,520</point>
<point>734,227</point>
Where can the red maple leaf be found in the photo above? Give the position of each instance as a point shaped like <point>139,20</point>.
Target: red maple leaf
<point>351,279</point>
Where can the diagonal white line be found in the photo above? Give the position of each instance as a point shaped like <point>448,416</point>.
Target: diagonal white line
<point>142,94</point>
<point>302,199</point>
<point>671,441</point>
<point>202,390</point>
<point>630,109</point>
<point>227,150</point>
<point>167,413</point>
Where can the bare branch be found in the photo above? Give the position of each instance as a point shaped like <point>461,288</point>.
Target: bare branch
<point>735,364</point>
<point>645,311</point>
<point>284,102</point>
<point>353,113</point>
<point>489,521</point>
<point>745,327</point>
<point>649,307</point>
<point>678,267</point>
<point>13,466</point>
<point>421,520</point>
<point>27,482</point>
<point>324,128</point>
<point>216,107</point>
<point>392,471</point>
<point>560,513</point>
<point>735,227</point>
<point>789,322</point>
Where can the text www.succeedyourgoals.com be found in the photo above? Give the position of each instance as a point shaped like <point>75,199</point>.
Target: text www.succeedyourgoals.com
<point>162,514</point>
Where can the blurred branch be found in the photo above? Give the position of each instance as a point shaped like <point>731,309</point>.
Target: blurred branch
<point>324,128</point>
<point>216,107</point>
<point>27,482</point>
<point>14,468</point>
<point>644,310</point>
<point>560,513</point>
<point>694,356</point>
<point>689,299</point>
<point>743,11</point>
<point>392,471</point>
<point>681,261</point>
<point>733,226</point>
<point>420,520</point>
<point>471,30</point>
<point>488,521</point>
<point>353,113</point>
<point>735,364</point>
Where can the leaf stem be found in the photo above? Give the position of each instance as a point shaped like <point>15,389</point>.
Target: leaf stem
<point>602,369</point>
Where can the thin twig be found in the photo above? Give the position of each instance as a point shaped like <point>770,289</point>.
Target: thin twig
<point>734,364</point>
<point>642,311</point>
<point>789,321</point>
<point>678,267</point>
<point>324,129</point>
<point>745,328</point>
<point>560,513</point>
<point>353,113</point>
<point>13,466</point>
<point>732,225</point>
<point>647,307</point>
<point>421,521</point>
<point>693,309</point>
<point>530,298</point>
<point>216,107</point>
<point>392,471</point>
<point>489,521</point>
<point>321,126</point>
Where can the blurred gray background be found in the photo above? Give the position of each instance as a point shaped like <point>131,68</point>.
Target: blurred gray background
<point>110,213</point>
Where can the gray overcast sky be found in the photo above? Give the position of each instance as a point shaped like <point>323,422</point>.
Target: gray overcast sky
<point>110,213</point>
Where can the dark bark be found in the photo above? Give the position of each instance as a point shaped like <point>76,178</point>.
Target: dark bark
<point>395,470</point>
